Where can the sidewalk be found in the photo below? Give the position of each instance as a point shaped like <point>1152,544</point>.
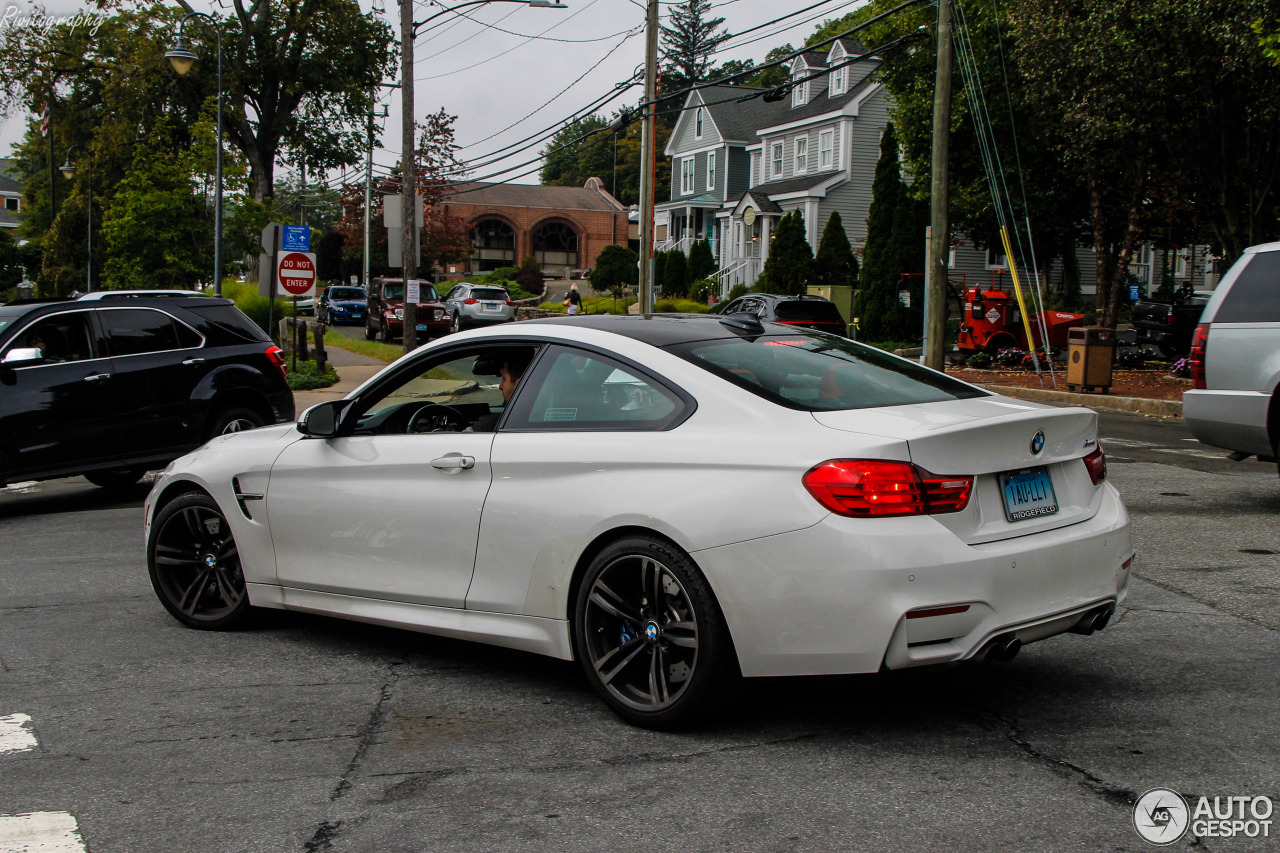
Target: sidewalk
<point>353,371</point>
<point>1135,405</point>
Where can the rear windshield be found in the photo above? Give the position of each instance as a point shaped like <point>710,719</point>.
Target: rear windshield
<point>1255,296</point>
<point>395,290</point>
<point>489,293</point>
<point>346,293</point>
<point>808,312</point>
<point>225,325</point>
<point>819,374</point>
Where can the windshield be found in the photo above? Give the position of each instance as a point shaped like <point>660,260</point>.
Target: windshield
<point>808,311</point>
<point>395,290</point>
<point>348,293</point>
<point>822,373</point>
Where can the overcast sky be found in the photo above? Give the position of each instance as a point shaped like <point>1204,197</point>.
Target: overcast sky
<point>490,79</point>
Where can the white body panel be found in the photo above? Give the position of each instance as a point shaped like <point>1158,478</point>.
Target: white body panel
<point>365,528</point>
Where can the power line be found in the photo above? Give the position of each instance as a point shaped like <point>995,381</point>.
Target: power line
<point>528,39</point>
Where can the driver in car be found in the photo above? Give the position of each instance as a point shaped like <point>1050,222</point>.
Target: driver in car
<point>509,365</point>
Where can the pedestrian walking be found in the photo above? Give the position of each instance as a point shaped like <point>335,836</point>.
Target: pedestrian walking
<point>574,300</point>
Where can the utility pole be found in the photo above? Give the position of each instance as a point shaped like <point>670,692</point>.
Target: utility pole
<point>939,195</point>
<point>368,200</point>
<point>409,187</point>
<point>648,152</point>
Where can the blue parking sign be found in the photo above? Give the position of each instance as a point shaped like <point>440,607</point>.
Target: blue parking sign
<point>295,238</point>
<point>1134,295</point>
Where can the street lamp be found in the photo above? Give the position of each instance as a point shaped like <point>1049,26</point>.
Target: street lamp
<point>69,172</point>
<point>182,58</point>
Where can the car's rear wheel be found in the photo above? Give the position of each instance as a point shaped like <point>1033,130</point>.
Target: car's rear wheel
<point>369,332</point>
<point>235,419</point>
<point>650,635</point>
<point>194,564</point>
<point>116,478</point>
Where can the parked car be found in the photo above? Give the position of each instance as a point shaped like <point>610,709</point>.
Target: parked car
<point>342,304</point>
<point>1235,360</point>
<point>810,312</point>
<point>672,500</point>
<point>111,387</point>
<point>1169,325</point>
<point>471,305</point>
<point>384,317</point>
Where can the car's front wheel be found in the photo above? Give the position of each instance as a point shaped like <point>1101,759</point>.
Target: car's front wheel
<point>195,566</point>
<point>385,335</point>
<point>650,635</point>
<point>235,419</point>
<point>370,332</point>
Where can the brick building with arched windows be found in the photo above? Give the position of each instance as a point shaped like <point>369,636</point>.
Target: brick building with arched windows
<point>565,228</point>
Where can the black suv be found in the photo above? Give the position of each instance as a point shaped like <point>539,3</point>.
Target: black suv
<point>112,385</point>
<point>812,312</point>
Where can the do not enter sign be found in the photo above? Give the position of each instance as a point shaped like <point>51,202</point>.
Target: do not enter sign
<point>296,272</point>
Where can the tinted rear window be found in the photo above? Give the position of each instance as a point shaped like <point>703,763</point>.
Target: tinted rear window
<point>820,374</point>
<point>808,312</point>
<point>224,325</point>
<point>395,290</point>
<point>489,293</point>
<point>348,293</point>
<point>1255,296</point>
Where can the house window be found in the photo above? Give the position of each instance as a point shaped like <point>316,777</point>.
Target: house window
<point>839,79</point>
<point>10,203</point>
<point>686,176</point>
<point>800,94</point>
<point>711,170</point>
<point>802,154</point>
<point>697,131</point>
<point>826,149</point>
<point>777,159</point>
<point>996,260</point>
<point>752,180</point>
<point>1182,265</point>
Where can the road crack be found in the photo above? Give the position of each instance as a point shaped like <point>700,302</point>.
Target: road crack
<point>1110,793</point>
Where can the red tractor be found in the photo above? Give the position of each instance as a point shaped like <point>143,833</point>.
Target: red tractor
<point>992,322</point>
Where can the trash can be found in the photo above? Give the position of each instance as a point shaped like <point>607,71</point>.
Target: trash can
<point>1090,353</point>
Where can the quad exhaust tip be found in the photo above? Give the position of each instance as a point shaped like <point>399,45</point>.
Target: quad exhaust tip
<point>1003,649</point>
<point>1094,620</point>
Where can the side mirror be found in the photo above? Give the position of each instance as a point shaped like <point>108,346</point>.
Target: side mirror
<point>321,420</point>
<point>23,357</point>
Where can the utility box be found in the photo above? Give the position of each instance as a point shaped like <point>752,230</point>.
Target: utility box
<point>839,294</point>
<point>1091,351</point>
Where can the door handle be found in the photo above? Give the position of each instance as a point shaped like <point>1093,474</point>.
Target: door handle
<point>192,362</point>
<point>97,377</point>
<point>453,463</point>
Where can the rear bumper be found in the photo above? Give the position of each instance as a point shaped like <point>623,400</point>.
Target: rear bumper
<point>1233,420</point>
<point>834,598</point>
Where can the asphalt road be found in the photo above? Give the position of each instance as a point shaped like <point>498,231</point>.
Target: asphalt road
<point>309,734</point>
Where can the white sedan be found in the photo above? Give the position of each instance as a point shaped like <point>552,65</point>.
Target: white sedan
<point>672,500</point>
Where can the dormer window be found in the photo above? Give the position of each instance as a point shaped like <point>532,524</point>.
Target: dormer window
<point>839,80</point>
<point>839,76</point>
<point>800,90</point>
<point>697,124</point>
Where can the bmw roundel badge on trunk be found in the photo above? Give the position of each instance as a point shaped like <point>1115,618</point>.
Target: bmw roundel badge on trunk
<point>1037,443</point>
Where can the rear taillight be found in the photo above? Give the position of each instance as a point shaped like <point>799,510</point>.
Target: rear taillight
<point>509,302</point>
<point>275,355</point>
<point>1168,318</point>
<point>874,488</point>
<point>1096,464</point>
<point>1199,342</point>
<point>470,301</point>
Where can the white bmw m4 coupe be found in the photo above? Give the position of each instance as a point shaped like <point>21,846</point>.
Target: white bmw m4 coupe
<point>674,501</point>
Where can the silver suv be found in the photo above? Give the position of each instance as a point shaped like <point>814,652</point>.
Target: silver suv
<point>478,305</point>
<point>1235,360</point>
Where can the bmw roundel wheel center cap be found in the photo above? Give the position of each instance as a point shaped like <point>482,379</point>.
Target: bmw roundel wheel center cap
<point>651,631</point>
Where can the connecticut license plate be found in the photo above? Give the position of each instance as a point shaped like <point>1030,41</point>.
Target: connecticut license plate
<point>1027,494</point>
<point>491,305</point>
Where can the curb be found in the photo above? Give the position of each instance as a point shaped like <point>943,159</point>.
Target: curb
<point>1134,405</point>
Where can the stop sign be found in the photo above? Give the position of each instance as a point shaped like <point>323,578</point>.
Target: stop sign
<point>297,272</point>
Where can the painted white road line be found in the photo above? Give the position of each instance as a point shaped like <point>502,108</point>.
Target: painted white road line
<point>40,832</point>
<point>16,734</point>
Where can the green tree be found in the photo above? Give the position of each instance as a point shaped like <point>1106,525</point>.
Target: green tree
<point>701,262</point>
<point>835,264</point>
<point>675,275</point>
<point>154,227</point>
<point>877,306</point>
<point>689,39</point>
<point>530,275</point>
<point>659,267</point>
<point>616,269</point>
<point>568,159</point>
<point>789,267</point>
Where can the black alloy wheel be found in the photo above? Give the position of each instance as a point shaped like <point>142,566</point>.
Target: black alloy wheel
<point>194,564</point>
<point>234,419</point>
<point>650,635</point>
<point>369,332</point>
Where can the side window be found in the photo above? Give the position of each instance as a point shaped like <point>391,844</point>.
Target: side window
<point>133,331</point>
<point>455,293</point>
<point>575,389</point>
<point>62,337</point>
<point>1255,295</point>
<point>457,391</point>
